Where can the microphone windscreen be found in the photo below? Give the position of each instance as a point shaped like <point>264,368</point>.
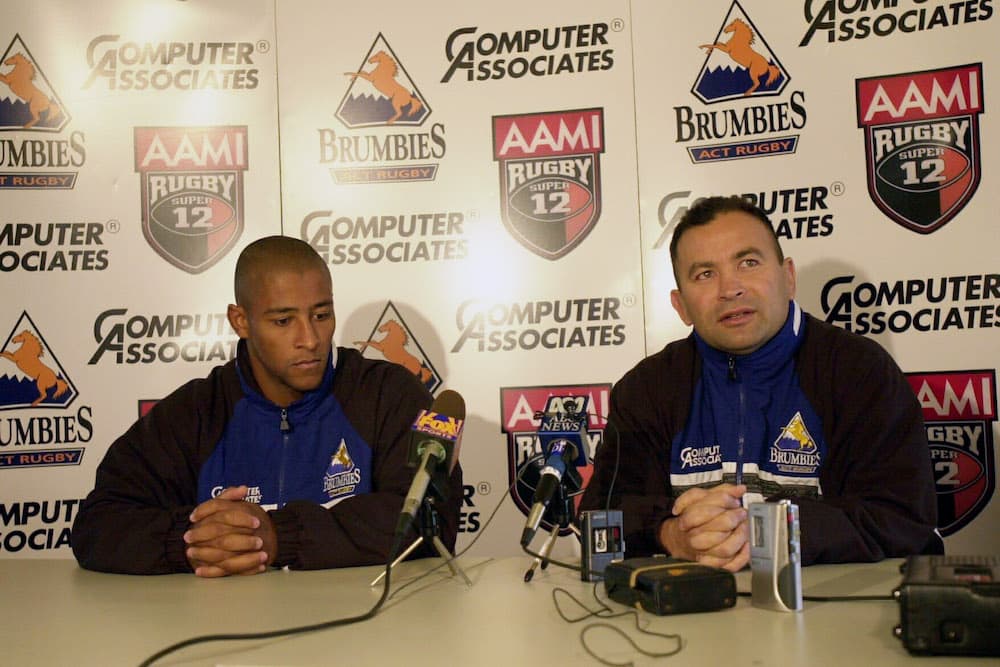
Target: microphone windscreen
<point>449,402</point>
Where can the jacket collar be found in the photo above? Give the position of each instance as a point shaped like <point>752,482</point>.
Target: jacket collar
<point>252,390</point>
<point>766,360</point>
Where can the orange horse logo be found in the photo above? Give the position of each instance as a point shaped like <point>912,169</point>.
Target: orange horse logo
<point>740,50</point>
<point>393,348</point>
<point>28,360</point>
<point>383,77</point>
<point>19,80</point>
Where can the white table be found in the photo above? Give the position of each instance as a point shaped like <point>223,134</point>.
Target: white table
<point>55,613</point>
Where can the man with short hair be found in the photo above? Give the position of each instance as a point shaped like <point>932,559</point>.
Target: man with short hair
<point>293,454</point>
<point>761,401</point>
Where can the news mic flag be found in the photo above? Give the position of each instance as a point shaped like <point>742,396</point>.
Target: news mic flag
<point>569,424</point>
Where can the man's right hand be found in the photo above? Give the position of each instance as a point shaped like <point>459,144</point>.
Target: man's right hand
<point>709,526</point>
<point>229,536</point>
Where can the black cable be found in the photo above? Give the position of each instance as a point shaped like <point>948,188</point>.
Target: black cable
<point>618,456</point>
<point>287,631</point>
<point>835,598</point>
<point>605,612</point>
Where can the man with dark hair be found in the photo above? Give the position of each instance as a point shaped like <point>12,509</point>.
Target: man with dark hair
<point>761,401</point>
<point>293,454</point>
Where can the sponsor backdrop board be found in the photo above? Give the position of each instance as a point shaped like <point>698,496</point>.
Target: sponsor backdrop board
<point>865,140</point>
<point>138,155</point>
<point>472,185</point>
<point>494,191</point>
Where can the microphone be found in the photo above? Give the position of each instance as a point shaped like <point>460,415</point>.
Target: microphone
<point>435,438</point>
<point>564,434</point>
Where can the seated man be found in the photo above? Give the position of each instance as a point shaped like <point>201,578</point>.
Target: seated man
<point>293,454</point>
<point>761,400</point>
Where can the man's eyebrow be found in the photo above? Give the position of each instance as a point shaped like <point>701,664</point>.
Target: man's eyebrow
<point>752,250</point>
<point>280,311</point>
<point>698,266</point>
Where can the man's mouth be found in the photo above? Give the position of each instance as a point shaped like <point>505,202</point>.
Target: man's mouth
<point>736,316</point>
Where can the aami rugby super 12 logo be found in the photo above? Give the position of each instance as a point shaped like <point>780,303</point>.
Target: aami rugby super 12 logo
<point>34,383</point>
<point>922,142</point>
<point>192,191</point>
<point>30,108</point>
<point>959,410</point>
<point>391,340</point>
<point>550,177</point>
<point>521,409</point>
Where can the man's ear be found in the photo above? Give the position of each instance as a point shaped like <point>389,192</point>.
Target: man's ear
<point>238,320</point>
<point>789,269</point>
<point>677,301</point>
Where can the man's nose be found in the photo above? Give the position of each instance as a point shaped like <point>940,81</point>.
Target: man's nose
<point>308,337</point>
<point>730,285</point>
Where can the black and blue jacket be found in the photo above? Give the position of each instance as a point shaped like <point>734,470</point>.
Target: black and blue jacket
<point>818,414</point>
<point>330,469</point>
<point>750,421</point>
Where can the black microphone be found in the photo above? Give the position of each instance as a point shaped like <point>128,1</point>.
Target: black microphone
<point>564,433</point>
<point>435,438</point>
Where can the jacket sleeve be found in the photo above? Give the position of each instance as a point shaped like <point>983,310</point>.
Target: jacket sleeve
<point>134,520</point>
<point>878,495</point>
<point>360,530</point>
<point>632,464</point>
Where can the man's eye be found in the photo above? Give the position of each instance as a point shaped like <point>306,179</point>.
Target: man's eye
<point>322,316</point>
<point>282,321</point>
<point>751,262</point>
<point>704,275</point>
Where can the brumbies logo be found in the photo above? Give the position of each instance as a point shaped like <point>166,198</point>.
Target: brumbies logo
<point>391,338</point>
<point>30,374</point>
<point>742,66</point>
<point>192,191</point>
<point>31,108</point>
<point>27,100</point>
<point>922,142</point>
<point>383,94</point>
<point>550,177</point>
<point>794,450</point>
<point>521,410</point>
<point>342,476</point>
<point>959,410</point>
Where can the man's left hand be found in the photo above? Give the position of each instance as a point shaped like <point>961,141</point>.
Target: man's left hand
<point>230,536</point>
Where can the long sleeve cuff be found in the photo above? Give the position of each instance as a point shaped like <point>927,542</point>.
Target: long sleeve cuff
<point>288,532</point>
<point>175,545</point>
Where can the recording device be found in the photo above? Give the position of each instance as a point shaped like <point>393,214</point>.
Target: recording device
<point>435,439</point>
<point>664,586</point>
<point>775,556</point>
<point>601,542</point>
<point>562,436</point>
<point>950,605</point>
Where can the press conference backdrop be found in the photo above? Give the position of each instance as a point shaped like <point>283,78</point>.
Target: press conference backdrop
<point>494,187</point>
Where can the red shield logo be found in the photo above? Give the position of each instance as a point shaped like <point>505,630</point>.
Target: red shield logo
<point>192,191</point>
<point>922,143</point>
<point>550,177</point>
<point>959,410</point>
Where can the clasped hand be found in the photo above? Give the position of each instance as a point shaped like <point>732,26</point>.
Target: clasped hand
<point>230,536</point>
<point>709,526</point>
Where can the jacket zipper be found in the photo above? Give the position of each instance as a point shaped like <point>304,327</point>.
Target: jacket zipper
<point>285,429</point>
<point>740,433</point>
